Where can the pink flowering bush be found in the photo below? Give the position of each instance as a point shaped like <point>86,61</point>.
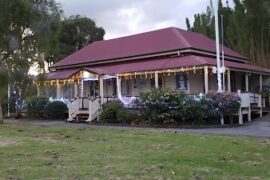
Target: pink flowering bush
<point>225,103</point>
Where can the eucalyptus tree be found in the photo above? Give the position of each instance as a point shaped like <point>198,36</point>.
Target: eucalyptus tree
<point>77,32</point>
<point>246,28</point>
<point>28,30</point>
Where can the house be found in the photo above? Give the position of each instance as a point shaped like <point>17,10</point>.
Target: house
<point>171,57</point>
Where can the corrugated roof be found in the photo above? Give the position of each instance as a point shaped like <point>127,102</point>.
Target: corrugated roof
<point>158,41</point>
<point>63,74</point>
<point>169,63</point>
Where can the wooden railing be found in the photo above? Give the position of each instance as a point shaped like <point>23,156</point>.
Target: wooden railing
<point>128,100</point>
<point>94,108</point>
<point>110,99</point>
<point>250,99</point>
<point>73,107</point>
<point>81,103</point>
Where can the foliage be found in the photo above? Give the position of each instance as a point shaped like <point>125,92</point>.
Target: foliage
<point>159,102</point>
<point>226,103</point>
<point>265,91</point>
<point>166,106</point>
<point>77,32</point>
<point>36,105</point>
<point>246,28</point>
<point>27,32</point>
<point>114,112</point>
<point>109,112</point>
<point>56,110</point>
<point>193,111</point>
<point>126,116</point>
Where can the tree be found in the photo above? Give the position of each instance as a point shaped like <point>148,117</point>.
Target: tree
<point>26,32</point>
<point>246,28</point>
<point>77,32</point>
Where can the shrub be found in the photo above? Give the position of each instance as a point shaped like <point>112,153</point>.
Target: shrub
<point>56,110</point>
<point>36,105</point>
<point>109,112</point>
<point>193,111</point>
<point>226,103</point>
<point>166,106</point>
<point>125,116</point>
<point>114,112</point>
<point>11,102</point>
<point>159,103</point>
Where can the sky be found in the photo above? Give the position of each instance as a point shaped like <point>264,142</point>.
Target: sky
<point>127,17</point>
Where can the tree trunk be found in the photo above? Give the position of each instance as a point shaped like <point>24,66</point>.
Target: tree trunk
<point>1,114</point>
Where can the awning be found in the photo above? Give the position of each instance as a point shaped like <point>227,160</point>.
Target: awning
<point>62,74</point>
<point>169,63</point>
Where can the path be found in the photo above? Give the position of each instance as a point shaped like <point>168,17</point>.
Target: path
<point>258,128</point>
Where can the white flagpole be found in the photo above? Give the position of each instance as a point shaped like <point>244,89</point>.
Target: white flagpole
<point>223,64</point>
<point>217,46</point>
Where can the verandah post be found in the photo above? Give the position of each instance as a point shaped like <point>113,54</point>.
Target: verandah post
<point>156,79</point>
<point>101,89</point>
<point>229,80</point>
<point>206,85</point>
<point>76,93</point>
<point>118,85</point>
<point>246,81</point>
<point>261,83</point>
<point>240,120</point>
<point>58,90</point>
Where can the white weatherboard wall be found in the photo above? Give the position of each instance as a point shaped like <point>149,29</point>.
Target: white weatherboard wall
<point>169,82</point>
<point>212,82</point>
<point>140,85</point>
<point>196,83</point>
<point>108,87</point>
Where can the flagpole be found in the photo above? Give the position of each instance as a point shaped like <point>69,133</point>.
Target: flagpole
<point>222,47</point>
<point>217,47</point>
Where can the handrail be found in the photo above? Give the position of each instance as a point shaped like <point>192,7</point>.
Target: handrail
<point>77,104</point>
<point>248,98</point>
<point>94,106</point>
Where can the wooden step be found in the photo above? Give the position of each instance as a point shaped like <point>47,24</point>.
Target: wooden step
<point>82,116</point>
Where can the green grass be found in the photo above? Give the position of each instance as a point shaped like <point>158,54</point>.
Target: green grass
<point>31,152</point>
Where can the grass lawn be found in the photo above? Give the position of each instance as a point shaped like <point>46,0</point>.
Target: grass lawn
<point>32,152</point>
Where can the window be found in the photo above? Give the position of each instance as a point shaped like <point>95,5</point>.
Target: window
<point>182,82</point>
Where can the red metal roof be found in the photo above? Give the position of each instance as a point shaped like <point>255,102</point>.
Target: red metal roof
<point>168,63</point>
<point>235,65</point>
<point>63,74</point>
<point>141,44</point>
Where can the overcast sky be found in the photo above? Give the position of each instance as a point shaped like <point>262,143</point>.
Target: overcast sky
<point>126,17</point>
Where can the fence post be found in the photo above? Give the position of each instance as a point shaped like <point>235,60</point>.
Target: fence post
<point>69,113</point>
<point>249,114</point>
<point>222,120</point>
<point>89,111</point>
<point>240,109</point>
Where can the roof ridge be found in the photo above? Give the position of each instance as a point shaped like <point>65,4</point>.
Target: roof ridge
<point>180,36</point>
<point>136,34</point>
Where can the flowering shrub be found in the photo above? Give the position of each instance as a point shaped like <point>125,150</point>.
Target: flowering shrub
<point>225,103</point>
<point>158,104</point>
<point>164,105</point>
